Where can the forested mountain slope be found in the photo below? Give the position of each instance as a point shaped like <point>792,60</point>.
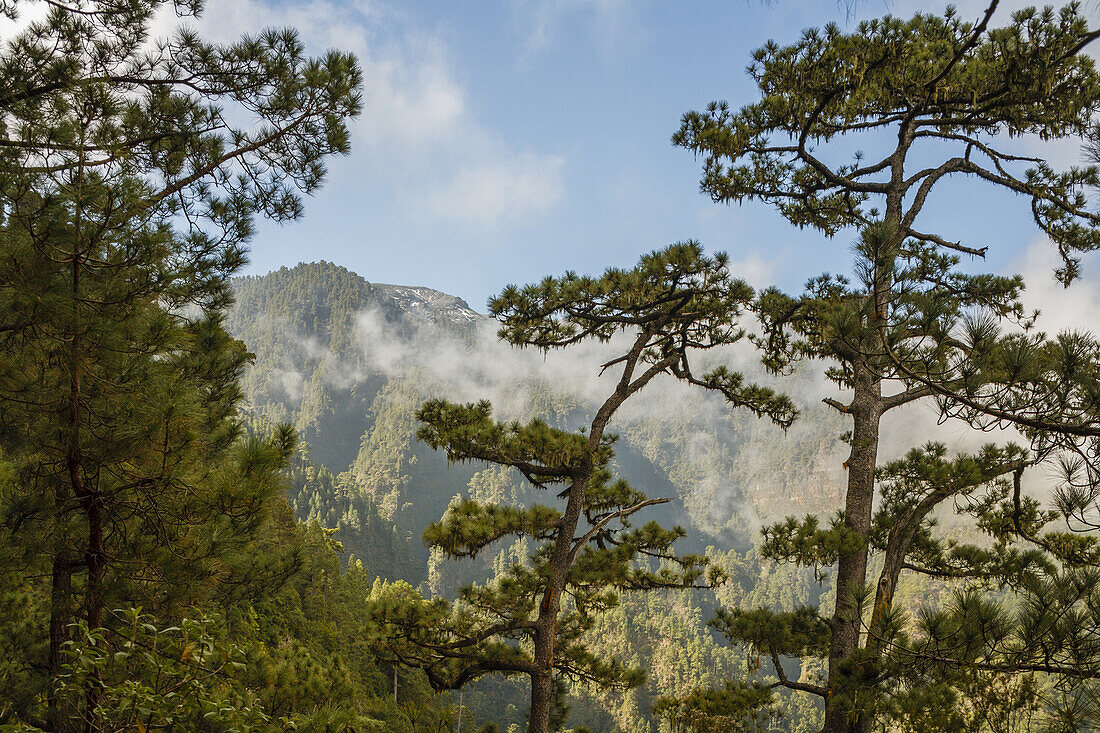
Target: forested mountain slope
<point>348,362</point>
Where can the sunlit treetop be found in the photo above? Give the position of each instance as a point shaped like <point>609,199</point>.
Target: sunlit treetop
<point>968,88</point>
<point>174,128</point>
<point>674,303</point>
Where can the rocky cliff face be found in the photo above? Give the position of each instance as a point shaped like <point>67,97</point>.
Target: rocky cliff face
<point>429,304</point>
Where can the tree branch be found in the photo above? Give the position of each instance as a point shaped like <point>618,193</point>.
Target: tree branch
<point>584,539</point>
<point>790,684</point>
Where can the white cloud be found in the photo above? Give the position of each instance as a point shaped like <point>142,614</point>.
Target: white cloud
<point>609,23</point>
<point>701,426</point>
<point>1061,309</point>
<point>754,269</point>
<point>418,136</point>
<point>484,367</point>
<point>25,15</point>
<point>411,103</point>
<point>500,190</point>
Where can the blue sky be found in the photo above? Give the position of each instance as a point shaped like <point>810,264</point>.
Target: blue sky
<point>503,141</point>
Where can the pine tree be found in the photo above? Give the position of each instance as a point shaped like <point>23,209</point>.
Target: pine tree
<point>941,326</point>
<point>926,81</point>
<point>118,383</point>
<point>948,92</point>
<point>531,621</point>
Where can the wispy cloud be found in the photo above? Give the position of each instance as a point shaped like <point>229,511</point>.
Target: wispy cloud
<point>610,24</point>
<point>1061,309</point>
<point>419,137</point>
<point>500,190</point>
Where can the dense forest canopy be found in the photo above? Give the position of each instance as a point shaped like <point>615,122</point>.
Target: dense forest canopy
<point>651,500</point>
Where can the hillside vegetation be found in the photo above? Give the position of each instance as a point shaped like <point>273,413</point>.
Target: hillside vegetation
<point>348,363</point>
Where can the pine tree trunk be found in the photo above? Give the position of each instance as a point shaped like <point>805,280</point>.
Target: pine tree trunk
<point>89,498</point>
<point>94,600</point>
<point>542,682</point>
<point>60,616</point>
<point>542,692</point>
<point>546,631</point>
<point>841,715</point>
<point>71,486</point>
<point>897,547</point>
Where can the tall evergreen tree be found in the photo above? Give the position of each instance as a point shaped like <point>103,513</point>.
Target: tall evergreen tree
<point>944,93</point>
<point>118,384</point>
<point>941,326</point>
<point>674,304</point>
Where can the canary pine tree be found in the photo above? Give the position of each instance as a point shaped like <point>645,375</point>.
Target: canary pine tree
<point>657,317</point>
<point>131,169</point>
<point>941,328</point>
<point>944,97</point>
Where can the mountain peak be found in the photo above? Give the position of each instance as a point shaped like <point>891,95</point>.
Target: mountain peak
<point>429,303</point>
<point>325,289</point>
